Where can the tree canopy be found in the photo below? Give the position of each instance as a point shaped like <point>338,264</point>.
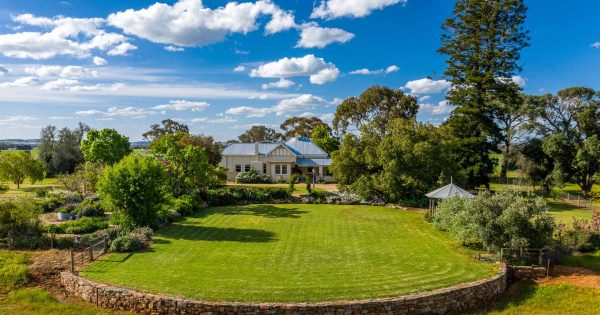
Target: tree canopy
<point>20,165</point>
<point>323,138</point>
<point>60,149</point>
<point>259,134</point>
<point>301,126</point>
<point>377,105</point>
<point>167,126</point>
<point>105,146</point>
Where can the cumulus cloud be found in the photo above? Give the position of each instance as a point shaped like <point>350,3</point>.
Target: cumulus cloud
<point>313,36</point>
<point>122,49</point>
<point>317,69</point>
<point>99,61</point>
<point>331,9</point>
<point>132,112</point>
<point>427,86</point>
<point>281,84</point>
<point>189,23</point>
<point>20,82</point>
<point>239,69</point>
<point>180,105</point>
<point>298,104</point>
<point>596,45</point>
<point>441,108</point>
<point>65,36</point>
<point>173,48</point>
<point>519,80</point>
<point>365,71</point>
<point>67,72</point>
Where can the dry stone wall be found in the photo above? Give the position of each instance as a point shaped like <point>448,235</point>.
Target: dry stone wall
<point>447,300</point>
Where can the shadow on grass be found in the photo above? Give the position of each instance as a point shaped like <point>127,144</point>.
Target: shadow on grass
<point>190,232</point>
<point>517,294</point>
<point>563,207</point>
<point>267,211</point>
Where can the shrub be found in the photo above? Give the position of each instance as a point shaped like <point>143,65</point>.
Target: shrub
<point>414,202</point>
<point>166,216</point>
<point>90,208</point>
<point>79,226</point>
<point>3,188</point>
<point>126,244</point>
<point>505,219</point>
<point>281,180</point>
<point>252,177</point>
<point>185,205</point>
<point>143,234</point>
<point>235,195</point>
<point>584,236</point>
<point>70,208</point>
<point>308,181</point>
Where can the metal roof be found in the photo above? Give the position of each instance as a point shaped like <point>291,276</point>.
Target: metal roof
<point>300,146</point>
<point>449,191</point>
<point>313,162</point>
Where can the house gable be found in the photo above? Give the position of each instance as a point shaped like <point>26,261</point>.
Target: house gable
<point>281,150</point>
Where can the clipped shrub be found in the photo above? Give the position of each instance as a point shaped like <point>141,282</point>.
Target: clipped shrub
<point>126,244</point>
<point>252,177</point>
<point>79,226</point>
<point>236,195</point>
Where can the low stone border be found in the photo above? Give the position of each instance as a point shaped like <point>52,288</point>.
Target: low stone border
<point>453,299</point>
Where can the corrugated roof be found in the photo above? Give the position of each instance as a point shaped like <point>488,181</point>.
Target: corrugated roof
<point>304,146</point>
<point>313,162</point>
<point>300,146</point>
<point>449,191</point>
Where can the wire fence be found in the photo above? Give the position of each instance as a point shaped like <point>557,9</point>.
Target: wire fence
<point>82,256</point>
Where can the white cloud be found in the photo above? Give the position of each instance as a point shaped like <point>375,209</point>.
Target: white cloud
<point>281,84</point>
<point>327,118</point>
<point>239,69</point>
<point>317,69</point>
<point>72,85</point>
<point>61,117</point>
<point>66,36</point>
<point>313,36</point>
<point>331,9</point>
<point>16,119</point>
<point>59,84</point>
<point>427,86</point>
<point>365,71</point>
<point>122,49</point>
<point>392,68</point>
<point>518,80</point>
<point>3,71</point>
<point>180,105</point>
<point>131,112</point>
<point>596,45</point>
<point>301,103</point>
<point>189,23</point>
<point>224,120</point>
<point>441,108</point>
<point>173,48</point>
<point>67,72</point>
<point>99,61</point>
<point>20,82</point>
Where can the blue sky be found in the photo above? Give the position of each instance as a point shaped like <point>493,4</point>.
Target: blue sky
<point>221,67</point>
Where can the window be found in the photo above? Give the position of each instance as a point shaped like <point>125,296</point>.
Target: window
<point>238,168</point>
<point>264,168</point>
<point>281,169</point>
<point>247,168</point>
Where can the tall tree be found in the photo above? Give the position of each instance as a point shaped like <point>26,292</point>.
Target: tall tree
<point>18,166</point>
<point>169,126</point>
<point>511,117</point>
<point>60,150</point>
<point>322,137</point>
<point>570,124</point>
<point>208,143</point>
<point>260,133</point>
<point>378,104</point>
<point>483,41</point>
<point>105,146</point>
<point>301,126</point>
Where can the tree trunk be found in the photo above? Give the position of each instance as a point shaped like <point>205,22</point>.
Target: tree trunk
<point>505,160</point>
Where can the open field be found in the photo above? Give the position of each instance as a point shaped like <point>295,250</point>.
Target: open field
<point>294,253</point>
<point>548,299</point>
<point>589,261</point>
<point>27,188</point>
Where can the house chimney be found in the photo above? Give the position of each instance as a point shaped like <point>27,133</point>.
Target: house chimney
<point>256,145</point>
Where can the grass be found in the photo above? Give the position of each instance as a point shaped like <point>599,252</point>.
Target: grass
<point>564,212</point>
<point>27,188</point>
<point>294,253</point>
<point>13,271</point>
<point>590,261</point>
<point>532,299</point>
<point>40,302</point>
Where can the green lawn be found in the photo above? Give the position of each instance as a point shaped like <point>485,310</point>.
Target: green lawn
<point>590,261</point>
<point>564,213</point>
<point>299,253</point>
<point>532,299</point>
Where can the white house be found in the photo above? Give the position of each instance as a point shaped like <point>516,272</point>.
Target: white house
<point>279,160</point>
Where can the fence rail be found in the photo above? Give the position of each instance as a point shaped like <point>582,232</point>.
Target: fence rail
<point>82,256</point>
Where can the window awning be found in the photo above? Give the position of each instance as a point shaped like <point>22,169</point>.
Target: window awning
<point>313,162</point>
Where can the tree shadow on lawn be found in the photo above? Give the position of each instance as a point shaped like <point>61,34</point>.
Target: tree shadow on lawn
<point>267,211</point>
<point>205,233</point>
<point>556,206</point>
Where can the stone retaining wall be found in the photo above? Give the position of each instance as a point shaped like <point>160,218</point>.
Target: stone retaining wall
<point>447,300</point>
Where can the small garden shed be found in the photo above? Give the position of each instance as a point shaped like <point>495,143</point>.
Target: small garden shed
<point>448,191</point>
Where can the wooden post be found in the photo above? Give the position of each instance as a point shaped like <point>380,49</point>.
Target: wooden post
<point>105,244</point>
<point>72,261</point>
<point>548,268</point>
<point>501,254</point>
<point>91,254</point>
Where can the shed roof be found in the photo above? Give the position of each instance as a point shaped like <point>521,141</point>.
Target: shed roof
<point>449,191</point>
